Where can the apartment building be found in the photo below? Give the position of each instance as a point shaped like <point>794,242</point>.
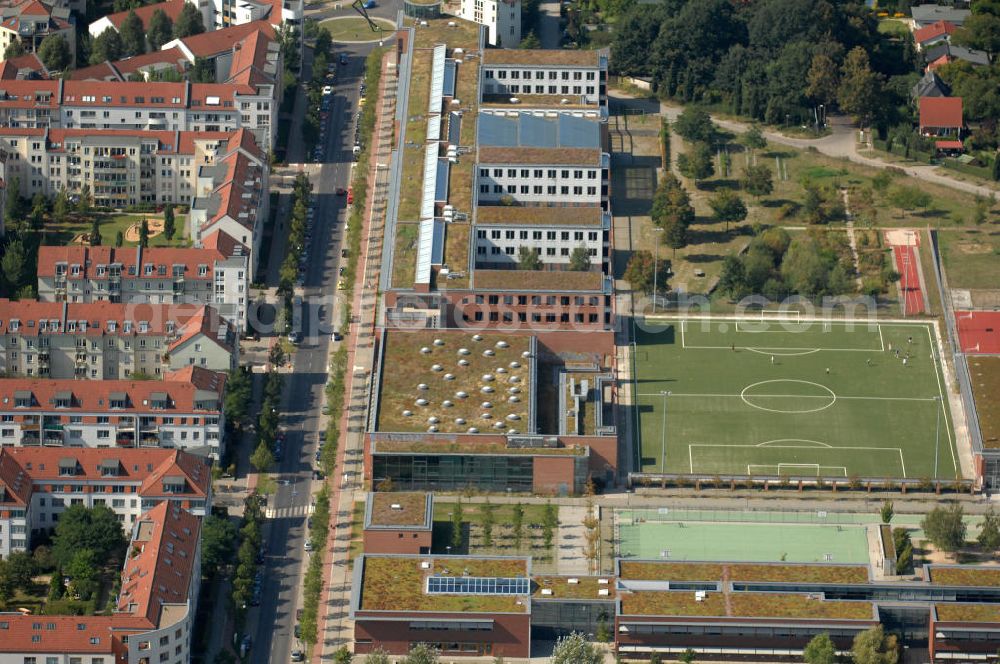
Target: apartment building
<point>172,9</point>
<point>552,232</point>
<point>216,274</point>
<point>184,411</point>
<point>112,341</point>
<point>148,106</point>
<point>38,483</point>
<point>552,77</point>
<point>501,18</point>
<point>530,158</point>
<point>31,21</point>
<point>153,620</point>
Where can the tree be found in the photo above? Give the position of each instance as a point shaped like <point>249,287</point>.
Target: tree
<point>96,528</point>
<point>60,207</point>
<point>753,138</point>
<point>421,654</point>
<point>169,227</point>
<point>981,29</point>
<point>820,650</point>
<point>133,35</point>
<point>574,649</point>
<point>85,200</point>
<point>603,632</point>
<point>873,646</point>
<point>757,181</point>
<point>639,272</point>
<point>733,280</point>
<point>655,658</point>
<point>21,570</point>
<point>6,587</point>
<point>54,52</point>
<point>106,47</point>
<point>527,259</point>
<point>696,163</point>
<point>886,512</point>
<point>904,560</point>
<point>95,232</point>
<point>160,31</point>
<point>530,41</point>
<point>343,656</point>
<point>262,459</point>
<point>945,527</point>
<point>996,168</point>
<point>457,517</point>
<point>728,207</point>
<point>675,235</point>
<point>486,510</point>
<point>82,572</point>
<point>15,264</point>
<point>517,523</point>
<point>323,41</point>
<point>14,50</point>
<point>989,531</point>
<point>203,70</point>
<point>237,400</point>
<point>144,233</point>
<point>695,125</point>
<point>189,22</point>
<point>119,239</point>
<point>909,198</point>
<point>687,657</point>
<point>579,259</point>
<point>550,521</point>
<point>56,588</point>
<point>378,656</point>
<point>218,534</point>
<point>671,203</point>
<point>860,87</point>
<point>823,79</point>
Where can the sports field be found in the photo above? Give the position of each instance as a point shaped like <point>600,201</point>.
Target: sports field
<point>781,397</point>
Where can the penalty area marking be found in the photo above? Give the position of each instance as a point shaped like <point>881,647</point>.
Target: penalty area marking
<point>757,468</point>
<point>898,450</point>
<point>784,350</point>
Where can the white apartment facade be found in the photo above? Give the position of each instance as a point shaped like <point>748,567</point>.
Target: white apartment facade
<point>552,232</point>
<point>579,76</point>
<point>502,19</point>
<point>542,176</point>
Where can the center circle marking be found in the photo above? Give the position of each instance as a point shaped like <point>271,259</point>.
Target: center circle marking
<point>746,396</point>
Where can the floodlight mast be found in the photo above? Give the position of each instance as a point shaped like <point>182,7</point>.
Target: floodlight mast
<point>359,7</point>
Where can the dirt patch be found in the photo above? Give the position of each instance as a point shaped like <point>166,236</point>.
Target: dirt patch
<point>155,228</point>
<point>974,247</point>
<point>902,237</point>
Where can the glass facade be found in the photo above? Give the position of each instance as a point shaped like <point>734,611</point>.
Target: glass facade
<point>551,619</point>
<point>419,472</point>
<point>422,9</point>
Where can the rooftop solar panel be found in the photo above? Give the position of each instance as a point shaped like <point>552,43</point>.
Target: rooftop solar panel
<point>478,585</point>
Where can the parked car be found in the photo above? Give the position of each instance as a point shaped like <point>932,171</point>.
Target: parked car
<point>297,655</point>
<point>350,195</point>
<point>343,58</point>
<point>327,89</point>
<point>308,546</point>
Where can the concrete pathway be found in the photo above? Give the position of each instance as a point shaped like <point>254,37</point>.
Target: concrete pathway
<point>548,28</point>
<point>570,541</point>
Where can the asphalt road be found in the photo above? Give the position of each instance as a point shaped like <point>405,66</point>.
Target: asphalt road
<point>273,638</point>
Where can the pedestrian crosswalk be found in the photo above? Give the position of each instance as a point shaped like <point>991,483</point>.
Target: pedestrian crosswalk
<point>288,512</point>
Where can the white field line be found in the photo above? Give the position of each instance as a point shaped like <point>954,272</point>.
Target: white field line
<point>791,396</point>
<point>898,450</point>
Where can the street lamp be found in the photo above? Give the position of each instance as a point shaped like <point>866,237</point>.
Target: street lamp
<point>663,434</point>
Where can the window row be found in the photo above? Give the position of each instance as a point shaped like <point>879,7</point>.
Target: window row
<point>536,190</point>
<point>537,173</point>
<point>537,75</point>
<point>512,251</point>
<point>537,235</point>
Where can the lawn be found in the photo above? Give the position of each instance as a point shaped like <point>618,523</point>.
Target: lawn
<point>356,29</point>
<point>970,256</point>
<point>532,543</point>
<point>111,224</point>
<point>771,398</point>
<point>985,374</point>
<point>893,27</point>
<point>404,254</point>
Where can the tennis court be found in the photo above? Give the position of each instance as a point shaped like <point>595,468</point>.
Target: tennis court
<point>764,397</point>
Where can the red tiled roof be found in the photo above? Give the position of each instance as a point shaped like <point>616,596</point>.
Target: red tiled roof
<point>171,58</point>
<point>941,112</point>
<point>15,483</point>
<point>40,465</point>
<point>107,318</point>
<point>935,29</point>
<point>224,243</point>
<point>160,563</point>
<point>949,145</point>
<point>943,60</point>
<point>9,69</point>
<point>172,8</point>
<point>94,396</point>
<point>87,635</point>
<point>220,41</point>
<point>208,323</point>
<point>90,258</point>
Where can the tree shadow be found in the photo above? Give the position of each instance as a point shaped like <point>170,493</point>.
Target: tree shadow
<point>715,185</point>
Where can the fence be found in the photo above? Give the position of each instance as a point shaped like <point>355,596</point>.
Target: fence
<point>984,172</point>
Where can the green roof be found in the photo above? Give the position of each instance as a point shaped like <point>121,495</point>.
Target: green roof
<point>399,583</point>
<point>973,613</point>
<point>743,605</point>
<point>584,587</point>
<point>965,576</point>
<point>779,573</point>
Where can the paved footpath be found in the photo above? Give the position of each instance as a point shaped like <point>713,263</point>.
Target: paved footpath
<point>334,629</point>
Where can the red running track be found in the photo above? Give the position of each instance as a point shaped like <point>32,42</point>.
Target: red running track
<point>909,279</point>
<point>979,331</point>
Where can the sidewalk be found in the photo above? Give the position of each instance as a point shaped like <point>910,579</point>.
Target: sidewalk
<point>334,629</point>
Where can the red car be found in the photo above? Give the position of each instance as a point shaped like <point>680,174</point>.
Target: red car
<point>350,195</point>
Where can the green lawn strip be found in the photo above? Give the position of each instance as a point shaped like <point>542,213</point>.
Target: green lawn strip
<point>111,224</point>
<point>970,256</point>
<point>737,412</point>
<point>313,582</point>
<point>355,28</point>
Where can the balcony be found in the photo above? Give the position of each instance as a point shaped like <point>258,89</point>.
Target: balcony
<point>124,439</point>
<point>30,438</point>
<point>149,440</point>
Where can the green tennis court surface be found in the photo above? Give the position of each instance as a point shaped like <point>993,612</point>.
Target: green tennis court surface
<point>764,397</point>
<point>754,542</point>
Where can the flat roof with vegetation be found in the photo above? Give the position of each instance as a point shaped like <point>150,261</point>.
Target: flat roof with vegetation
<point>414,368</point>
<point>584,587</point>
<point>971,613</point>
<point>742,605</point>
<point>762,572</point>
<point>399,510</point>
<point>965,576</point>
<point>399,583</point>
<point>539,280</point>
<point>488,445</point>
<point>536,215</point>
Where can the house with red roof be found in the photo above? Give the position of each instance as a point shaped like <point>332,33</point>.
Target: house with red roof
<point>941,117</point>
<point>217,273</point>
<point>31,21</point>
<point>112,341</point>
<point>183,411</point>
<point>932,34</point>
<point>172,9</point>
<point>156,609</point>
<point>38,483</point>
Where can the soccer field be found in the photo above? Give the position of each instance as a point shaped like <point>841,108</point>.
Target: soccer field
<point>766,397</point>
